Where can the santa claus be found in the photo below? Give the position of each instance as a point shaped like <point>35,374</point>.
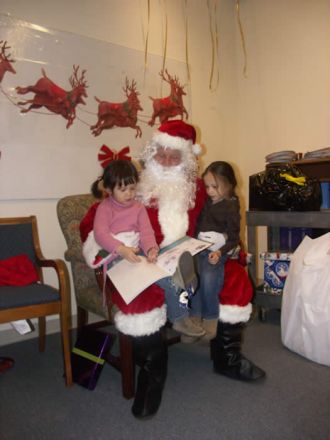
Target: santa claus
<point>174,196</point>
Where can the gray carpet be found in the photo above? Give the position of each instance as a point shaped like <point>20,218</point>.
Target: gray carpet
<point>292,403</point>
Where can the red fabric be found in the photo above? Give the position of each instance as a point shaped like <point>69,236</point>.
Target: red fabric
<point>148,300</point>
<point>86,224</point>
<point>178,128</point>
<point>17,271</point>
<point>199,203</point>
<point>237,289</point>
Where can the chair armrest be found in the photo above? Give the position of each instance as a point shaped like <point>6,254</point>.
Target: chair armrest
<point>73,255</point>
<point>62,274</point>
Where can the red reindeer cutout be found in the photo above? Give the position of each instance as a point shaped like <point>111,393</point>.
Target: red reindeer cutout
<point>5,62</point>
<point>54,98</point>
<point>122,114</point>
<point>165,108</point>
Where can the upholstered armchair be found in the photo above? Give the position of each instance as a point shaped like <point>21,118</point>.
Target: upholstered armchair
<point>88,284</point>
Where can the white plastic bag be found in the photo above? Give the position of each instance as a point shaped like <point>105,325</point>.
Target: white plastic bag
<point>305,315</point>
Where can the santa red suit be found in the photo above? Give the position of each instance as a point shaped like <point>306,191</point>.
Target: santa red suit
<point>174,197</point>
<point>147,313</point>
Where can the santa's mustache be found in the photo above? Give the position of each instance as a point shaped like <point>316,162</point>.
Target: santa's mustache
<point>165,173</point>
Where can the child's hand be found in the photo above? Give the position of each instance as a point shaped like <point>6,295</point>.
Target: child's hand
<point>152,255</point>
<point>214,257</point>
<point>129,253</point>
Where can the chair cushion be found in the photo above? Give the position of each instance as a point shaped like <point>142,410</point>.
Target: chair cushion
<point>17,271</point>
<point>20,296</point>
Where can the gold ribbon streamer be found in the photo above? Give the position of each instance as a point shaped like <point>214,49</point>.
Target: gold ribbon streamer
<point>214,41</point>
<point>187,46</point>
<point>165,38</point>
<point>242,38</point>
<point>147,40</point>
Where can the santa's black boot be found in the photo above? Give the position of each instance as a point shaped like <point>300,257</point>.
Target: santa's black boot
<point>150,354</point>
<point>227,357</point>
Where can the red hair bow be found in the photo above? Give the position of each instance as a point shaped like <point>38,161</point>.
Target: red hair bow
<point>109,155</point>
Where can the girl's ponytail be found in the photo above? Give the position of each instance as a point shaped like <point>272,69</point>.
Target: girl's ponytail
<point>95,188</point>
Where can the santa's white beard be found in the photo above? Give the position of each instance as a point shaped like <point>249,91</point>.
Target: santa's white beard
<point>174,194</point>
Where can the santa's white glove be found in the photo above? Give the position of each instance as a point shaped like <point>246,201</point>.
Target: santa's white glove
<point>183,298</point>
<point>216,238</point>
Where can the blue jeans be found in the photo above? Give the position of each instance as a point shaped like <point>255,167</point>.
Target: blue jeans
<point>175,311</point>
<point>205,302</point>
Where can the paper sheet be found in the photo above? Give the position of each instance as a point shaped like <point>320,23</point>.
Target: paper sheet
<point>130,279</point>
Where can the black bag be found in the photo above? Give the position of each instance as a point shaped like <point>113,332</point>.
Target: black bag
<point>284,188</point>
<point>88,356</point>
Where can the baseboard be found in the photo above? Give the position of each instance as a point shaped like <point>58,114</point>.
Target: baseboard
<point>8,335</point>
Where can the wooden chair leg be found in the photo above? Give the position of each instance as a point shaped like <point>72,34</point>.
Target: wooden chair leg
<point>127,365</point>
<point>66,347</point>
<point>42,333</point>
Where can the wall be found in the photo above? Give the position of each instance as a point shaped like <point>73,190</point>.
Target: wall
<point>283,103</point>
<point>124,22</point>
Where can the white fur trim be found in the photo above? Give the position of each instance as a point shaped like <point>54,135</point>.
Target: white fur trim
<point>90,249</point>
<point>141,324</point>
<point>196,149</point>
<point>235,314</point>
<point>168,141</point>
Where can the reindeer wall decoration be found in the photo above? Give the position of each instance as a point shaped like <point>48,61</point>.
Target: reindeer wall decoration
<point>110,114</point>
<point>123,114</point>
<point>172,105</point>
<point>5,61</point>
<point>54,98</point>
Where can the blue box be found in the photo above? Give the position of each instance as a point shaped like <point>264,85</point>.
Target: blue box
<point>276,268</point>
<point>290,238</point>
<point>325,188</point>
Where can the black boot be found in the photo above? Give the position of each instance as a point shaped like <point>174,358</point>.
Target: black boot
<point>151,355</point>
<point>227,357</point>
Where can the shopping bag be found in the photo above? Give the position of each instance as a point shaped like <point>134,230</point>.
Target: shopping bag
<point>88,356</point>
<point>305,316</point>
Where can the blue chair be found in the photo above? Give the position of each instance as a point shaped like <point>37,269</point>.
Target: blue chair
<point>19,236</point>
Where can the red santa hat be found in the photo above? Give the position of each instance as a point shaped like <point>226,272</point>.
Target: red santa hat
<point>177,135</point>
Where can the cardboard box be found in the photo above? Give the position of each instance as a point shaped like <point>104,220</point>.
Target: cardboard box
<point>276,268</point>
<point>88,356</point>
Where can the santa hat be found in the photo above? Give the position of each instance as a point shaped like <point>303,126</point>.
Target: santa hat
<point>177,135</point>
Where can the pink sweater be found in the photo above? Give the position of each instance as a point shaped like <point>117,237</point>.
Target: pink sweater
<point>112,217</point>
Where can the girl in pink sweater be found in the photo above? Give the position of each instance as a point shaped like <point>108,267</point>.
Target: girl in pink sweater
<point>121,225</point>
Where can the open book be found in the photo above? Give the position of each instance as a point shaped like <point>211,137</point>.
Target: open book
<point>130,279</point>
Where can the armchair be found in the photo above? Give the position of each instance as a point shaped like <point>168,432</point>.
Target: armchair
<point>19,236</point>
<point>88,285</point>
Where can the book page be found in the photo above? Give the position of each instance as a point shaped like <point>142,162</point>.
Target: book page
<point>130,279</point>
<point>169,256</point>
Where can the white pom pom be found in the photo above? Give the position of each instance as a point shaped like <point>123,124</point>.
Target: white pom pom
<point>196,149</point>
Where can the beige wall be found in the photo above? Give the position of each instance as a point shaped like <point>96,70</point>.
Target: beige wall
<point>282,104</point>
